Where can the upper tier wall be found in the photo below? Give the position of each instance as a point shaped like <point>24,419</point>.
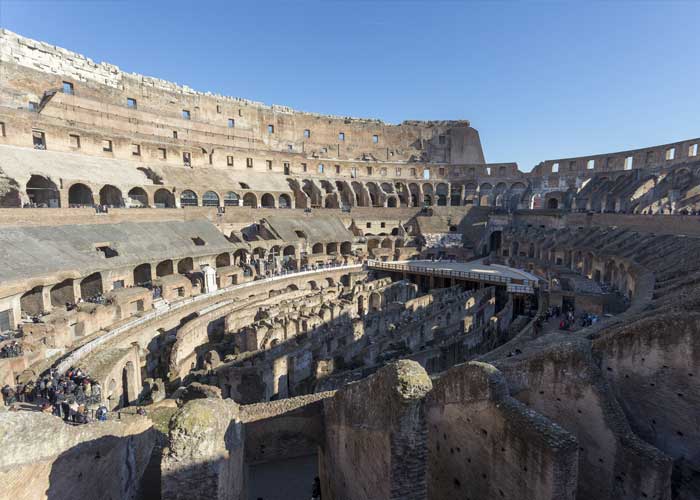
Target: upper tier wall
<point>34,71</point>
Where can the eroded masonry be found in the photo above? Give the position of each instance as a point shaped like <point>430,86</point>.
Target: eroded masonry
<point>205,297</point>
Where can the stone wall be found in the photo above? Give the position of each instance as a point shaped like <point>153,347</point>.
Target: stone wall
<point>485,444</point>
<point>204,457</point>
<point>376,436</point>
<point>44,458</point>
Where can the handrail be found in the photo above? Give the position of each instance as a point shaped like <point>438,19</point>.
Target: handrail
<point>85,349</point>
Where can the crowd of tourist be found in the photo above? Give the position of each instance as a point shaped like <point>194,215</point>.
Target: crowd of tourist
<point>11,350</point>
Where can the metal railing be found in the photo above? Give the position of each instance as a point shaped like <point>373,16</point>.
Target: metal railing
<point>73,357</point>
<point>526,287</point>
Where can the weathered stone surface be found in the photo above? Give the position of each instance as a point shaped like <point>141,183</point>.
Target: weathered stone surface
<point>204,458</point>
<point>43,457</point>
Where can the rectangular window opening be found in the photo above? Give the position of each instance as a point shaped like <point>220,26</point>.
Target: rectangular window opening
<point>186,114</point>
<point>131,103</point>
<point>249,163</point>
<point>229,161</point>
<point>162,153</point>
<point>136,150</point>
<point>555,168</point>
<point>107,146</point>
<point>341,136</point>
<point>67,88</point>
<point>187,158</point>
<point>307,133</point>
<point>692,150</point>
<point>590,164</point>
<point>231,123</point>
<point>270,129</point>
<point>670,154</point>
<point>75,141</point>
<point>629,161</point>
<point>268,163</point>
<point>375,139</point>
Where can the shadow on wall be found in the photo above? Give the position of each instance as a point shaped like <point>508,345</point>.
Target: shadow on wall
<point>107,467</point>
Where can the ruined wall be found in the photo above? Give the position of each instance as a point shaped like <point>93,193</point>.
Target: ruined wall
<point>484,444</point>
<point>381,420</point>
<point>204,458</point>
<point>44,458</point>
<point>652,364</point>
<point>563,383</point>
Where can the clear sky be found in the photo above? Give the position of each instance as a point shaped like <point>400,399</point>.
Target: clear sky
<point>539,80</point>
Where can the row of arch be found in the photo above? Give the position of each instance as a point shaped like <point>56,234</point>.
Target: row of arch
<point>42,191</point>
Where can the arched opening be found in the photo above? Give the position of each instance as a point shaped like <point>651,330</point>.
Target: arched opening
<point>111,196</point>
<point>188,198</point>
<point>495,241</point>
<point>223,259</point>
<point>250,200</point>
<point>142,275</point>
<point>231,199</point>
<point>137,198</point>
<point>312,285</point>
<point>386,243</point>
<point>42,192</point>
<point>79,195</point>
<point>285,201</point>
<point>31,302</point>
<point>185,265</point>
<point>553,203</point>
<point>391,202</point>
<point>128,384</point>
<point>62,293</point>
<point>164,268</point>
<point>360,305</point>
<point>442,193</point>
<point>240,257</point>
<point>164,199</point>
<point>346,248</point>
<point>330,282</point>
<point>91,286</point>
<point>345,280</point>
<point>210,199</point>
<point>372,244</point>
<point>317,248</point>
<point>375,302</point>
<point>267,201</point>
<point>331,248</point>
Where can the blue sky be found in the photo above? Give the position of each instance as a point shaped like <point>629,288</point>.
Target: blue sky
<point>539,80</point>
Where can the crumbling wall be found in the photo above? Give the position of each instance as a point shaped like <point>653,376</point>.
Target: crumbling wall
<point>376,436</point>
<point>562,382</point>
<point>485,444</point>
<point>653,365</point>
<point>204,458</point>
<point>44,458</point>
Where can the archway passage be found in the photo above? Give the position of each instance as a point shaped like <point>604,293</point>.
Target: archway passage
<point>42,192</point>
<point>249,200</point>
<point>210,199</point>
<point>111,196</point>
<point>164,199</point>
<point>495,241</point>
<point>231,199</point>
<point>63,293</point>
<point>223,260</point>
<point>553,203</point>
<point>138,198</point>
<point>79,195</point>
<point>267,201</point>
<point>164,268</point>
<point>91,286</point>
<point>285,201</point>
<point>185,265</point>
<point>31,301</point>
<point>188,199</point>
<point>142,275</point>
